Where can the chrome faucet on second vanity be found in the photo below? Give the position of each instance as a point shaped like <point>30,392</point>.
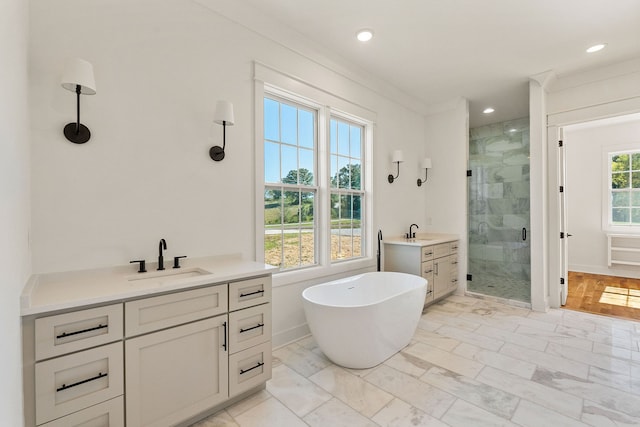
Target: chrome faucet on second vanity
<point>161,245</point>
<point>410,234</point>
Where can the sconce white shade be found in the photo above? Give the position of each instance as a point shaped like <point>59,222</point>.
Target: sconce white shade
<point>425,163</point>
<point>224,113</point>
<point>79,72</point>
<point>397,156</point>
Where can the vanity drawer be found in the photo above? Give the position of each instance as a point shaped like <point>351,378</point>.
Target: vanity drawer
<point>249,327</point>
<point>77,381</point>
<point>247,293</point>
<point>249,368</point>
<point>106,414</point>
<point>427,269</point>
<point>427,253</point>
<point>164,311</point>
<point>441,249</point>
<point>453,247</point>
<point>79,330</point>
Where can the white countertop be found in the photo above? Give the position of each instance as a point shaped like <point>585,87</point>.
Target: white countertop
<point>58,291</point>
<point>422,239</point>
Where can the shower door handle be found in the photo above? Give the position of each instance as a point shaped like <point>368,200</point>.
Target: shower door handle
<point>524,233</point>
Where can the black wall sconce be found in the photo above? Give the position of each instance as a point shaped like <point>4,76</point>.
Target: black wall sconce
<point>426,165</point>
<point>223,116</point>
<point>78,77</point>
<point>396,158</point>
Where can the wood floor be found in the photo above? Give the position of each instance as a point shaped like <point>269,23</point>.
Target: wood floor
<point>606,295</point>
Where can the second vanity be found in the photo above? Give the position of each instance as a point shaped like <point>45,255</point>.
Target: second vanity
<point>111,347</point>
<point>433,256</point>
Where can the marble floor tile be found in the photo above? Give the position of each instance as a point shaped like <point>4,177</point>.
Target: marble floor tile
<point>428,399</point>
<point>496,360</point>
<point>543,395</point>
<point>610,397</point>
<point>471,363</point>
<point>303,360</point>
<point>480,394</point>
<point>529,414</point>
<point>550,361</point>
<point>336,414</point>
<point>475,338</point>
<point>352,390</point>
<point>445,359</point>
<point>268,414</point>
<point>399,414</point>
<point>295,391</point>
<point>601,416</point>
<point>532,342</point>
<point>463,414</point>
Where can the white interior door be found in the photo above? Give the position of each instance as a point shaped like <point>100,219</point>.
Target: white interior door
<point>564,235</point>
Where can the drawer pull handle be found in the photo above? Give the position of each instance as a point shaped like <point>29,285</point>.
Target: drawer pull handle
<point>224,332</point>
<point>251,293</point>
<point>428,253</point>
<point>259,325</point>
<point>68,334</point>
<point>454,263</point>
<point>97,377</point>
<point>428,271</point>
<point>428,292</point>
<point>244,371</point>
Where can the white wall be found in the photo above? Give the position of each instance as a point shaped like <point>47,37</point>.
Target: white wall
<point>14,201</point>
<point>586,148</point>
<point>146,174</point>
<point>447,141</point>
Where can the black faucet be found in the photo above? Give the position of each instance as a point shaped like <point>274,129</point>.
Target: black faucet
<point>411,235</point>
<point>160,257</point>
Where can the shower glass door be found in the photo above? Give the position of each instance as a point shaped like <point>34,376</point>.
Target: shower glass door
<point>499,211</point>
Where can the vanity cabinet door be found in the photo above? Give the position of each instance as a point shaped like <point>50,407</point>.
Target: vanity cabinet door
<point>177,373</point>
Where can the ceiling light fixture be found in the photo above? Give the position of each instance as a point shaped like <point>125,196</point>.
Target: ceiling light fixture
<point>364,35</point>
<point>488,110</point>
<point>596,48</point>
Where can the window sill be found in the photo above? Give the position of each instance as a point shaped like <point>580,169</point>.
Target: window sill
<point>285,278</point>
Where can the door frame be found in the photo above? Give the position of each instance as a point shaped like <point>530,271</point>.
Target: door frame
<point>555,123</point>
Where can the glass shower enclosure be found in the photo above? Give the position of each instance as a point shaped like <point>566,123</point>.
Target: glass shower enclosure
<point>499,263</point>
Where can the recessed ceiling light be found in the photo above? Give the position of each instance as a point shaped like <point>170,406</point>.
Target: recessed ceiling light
<point>364,35</point>
<point>488,110</point>
<point>596,47</point>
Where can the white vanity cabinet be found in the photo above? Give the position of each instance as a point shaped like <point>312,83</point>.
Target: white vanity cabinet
<point>161,359</point>
<point>78,369</point>
<point>436,262</point>
<point>176,355</point>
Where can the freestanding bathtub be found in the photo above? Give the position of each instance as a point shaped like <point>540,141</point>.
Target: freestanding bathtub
<point>360,321</point>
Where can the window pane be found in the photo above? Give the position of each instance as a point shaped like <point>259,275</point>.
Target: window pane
<point>289,170</point>
<point>620,215</point>
<point>635,216</point>
<point>271,162</point>
<point>291,249</point>
<point>356,142</point>
<point>343,138</point>
<point>357,226</point>
<point>334,136</point>
<point>291,207</point>
<point>635,198</point>
<point>620,162</point>
<point>305,128</point>
<point>635,179</point>
<point>306,176</point>
<point>271,119</point>
<point>356,182</point>
<point>289,124</point>
<point>620,199</point>
<point>343,172</point>
<point>620,180</point>
<point>635,161</point>
<point>273,227</point>
<point>334,171</point>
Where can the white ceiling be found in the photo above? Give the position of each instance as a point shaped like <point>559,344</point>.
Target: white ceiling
<point>483,50</point>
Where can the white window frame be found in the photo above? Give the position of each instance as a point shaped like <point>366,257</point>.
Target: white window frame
<point>607,198</point>
<point>272,82</point>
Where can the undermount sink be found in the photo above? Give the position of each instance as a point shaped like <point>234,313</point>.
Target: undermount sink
<point>168,275</point>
